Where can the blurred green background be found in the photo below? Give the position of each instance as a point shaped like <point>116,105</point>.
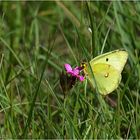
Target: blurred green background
<point>37,39</point>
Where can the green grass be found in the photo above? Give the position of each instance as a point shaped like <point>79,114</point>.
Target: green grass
<point>36,40</point>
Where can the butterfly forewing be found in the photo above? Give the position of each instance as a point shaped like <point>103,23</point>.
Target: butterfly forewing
<point>116,58</point>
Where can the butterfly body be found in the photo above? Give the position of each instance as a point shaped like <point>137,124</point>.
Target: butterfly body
<point>104,71</point>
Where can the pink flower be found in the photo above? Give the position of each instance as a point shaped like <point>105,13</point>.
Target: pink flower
<point>74,72</point>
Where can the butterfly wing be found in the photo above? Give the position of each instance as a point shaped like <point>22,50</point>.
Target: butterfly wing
<point>116,58</point>
<point>105,77</point>
<point>105,73</point>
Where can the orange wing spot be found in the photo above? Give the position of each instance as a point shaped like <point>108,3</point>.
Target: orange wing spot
<point>106,75</point>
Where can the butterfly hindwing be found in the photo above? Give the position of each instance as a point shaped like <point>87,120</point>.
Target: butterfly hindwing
<point>106,78</point>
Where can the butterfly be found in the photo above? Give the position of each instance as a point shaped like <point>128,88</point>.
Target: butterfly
<point>104,71</point>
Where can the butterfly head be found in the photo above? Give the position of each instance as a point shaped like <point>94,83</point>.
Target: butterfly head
<point>84,68</point>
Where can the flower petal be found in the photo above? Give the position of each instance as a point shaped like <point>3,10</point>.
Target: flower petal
<point>81,78</point>
<point>76,71</point>
<point>68,67</point>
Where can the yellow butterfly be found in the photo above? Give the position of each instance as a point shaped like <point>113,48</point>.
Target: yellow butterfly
<point>104,71</point>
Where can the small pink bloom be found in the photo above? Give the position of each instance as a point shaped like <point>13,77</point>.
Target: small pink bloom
<point>68,67</point>
<point>81,78</point>
<point>74,72</point>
